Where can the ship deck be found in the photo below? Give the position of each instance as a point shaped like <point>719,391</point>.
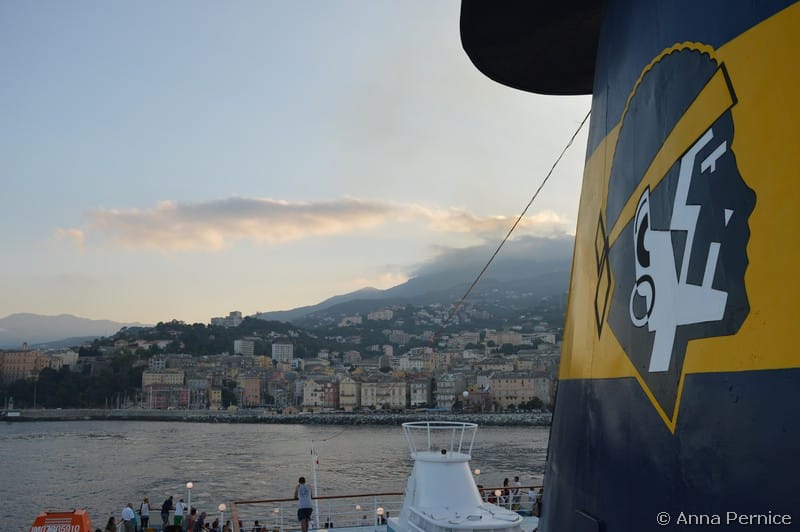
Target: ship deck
<point>339,513</point>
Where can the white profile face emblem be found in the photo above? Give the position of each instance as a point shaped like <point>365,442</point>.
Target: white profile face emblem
<point>662,298</point>
<point>671,240</point>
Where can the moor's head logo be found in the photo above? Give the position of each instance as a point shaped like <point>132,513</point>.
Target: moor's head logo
<point>675,226</point>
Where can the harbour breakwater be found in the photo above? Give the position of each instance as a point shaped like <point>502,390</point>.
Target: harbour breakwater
<point>260,416</point>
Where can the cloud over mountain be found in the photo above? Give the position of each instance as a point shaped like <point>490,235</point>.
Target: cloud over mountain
<point>214,225</point>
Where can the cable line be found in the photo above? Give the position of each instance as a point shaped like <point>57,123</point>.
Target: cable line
<point>514,226</point>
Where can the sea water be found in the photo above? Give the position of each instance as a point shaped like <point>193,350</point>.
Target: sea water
<point>103,465</point>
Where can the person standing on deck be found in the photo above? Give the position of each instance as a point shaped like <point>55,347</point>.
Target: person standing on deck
<point>144,513</point>
<point>200,524</point>
<point>180,508</point>
<point>129,518</point>
<point>166,508</point>
<point>302,494</point>
<point>516,494</point>
<point>192,519</point>
<point>504,498</point>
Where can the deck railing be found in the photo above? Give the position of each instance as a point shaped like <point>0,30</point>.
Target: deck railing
<point>368,510</point>
<point>526,500</point>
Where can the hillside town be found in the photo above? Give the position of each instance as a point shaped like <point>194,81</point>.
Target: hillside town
<point>390,359</point>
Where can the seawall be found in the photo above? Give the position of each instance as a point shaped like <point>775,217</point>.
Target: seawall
<point>259,416</point>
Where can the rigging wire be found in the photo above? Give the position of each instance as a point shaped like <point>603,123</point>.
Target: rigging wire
<point>332,437</point>
<point>514,226</point>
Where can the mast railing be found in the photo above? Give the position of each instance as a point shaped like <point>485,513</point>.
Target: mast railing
<point>434,436</point>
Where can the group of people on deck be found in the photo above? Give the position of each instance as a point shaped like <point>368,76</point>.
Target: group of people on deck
<point>185,519</point>
<point>513,497</point>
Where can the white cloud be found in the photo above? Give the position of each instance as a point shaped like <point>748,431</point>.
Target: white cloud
<point>75,236</point>
<point>214,225</point>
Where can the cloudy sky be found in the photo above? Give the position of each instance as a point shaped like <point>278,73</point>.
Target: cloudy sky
<point>179,160</point>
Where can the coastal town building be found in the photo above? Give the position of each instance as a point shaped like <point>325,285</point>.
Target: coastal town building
<point>316,365</point>
<point>412,363</point>
<point>313,395</point>
<point>24,364</point>
<point>56,359</point>
<point>244,346</point>
<point>420,391</point>
<point>233,319</point>
<point>280,396</point>
<point>398,337</point>
<point>510,389</point>
<point>398,393</point>
<point>351,357</point>
<point>477,400</point>
<point>391,360</point>
<point>349,394</point>
<point>381,315</point>
<point>172,377</point>
<point>462,340</point>
<point>330,395</point>
<point>282,351</point>
<point>166,396</point>
<point>504,337</point>
<point>495,363</point>
<point>449,387</point>
<point>250,389</point>
<point>198,392</point>
<point>215,399</point>
<point>384,392</point>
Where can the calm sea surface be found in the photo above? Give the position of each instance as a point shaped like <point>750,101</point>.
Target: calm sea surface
<point>102,465</point>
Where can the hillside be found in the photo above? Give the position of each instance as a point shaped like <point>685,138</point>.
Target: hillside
<point>534,269</point>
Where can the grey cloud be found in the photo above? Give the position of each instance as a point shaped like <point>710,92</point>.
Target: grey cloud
<point>524,250</point>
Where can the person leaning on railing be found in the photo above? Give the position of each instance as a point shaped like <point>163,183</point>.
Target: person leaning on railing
<point>166,508</point>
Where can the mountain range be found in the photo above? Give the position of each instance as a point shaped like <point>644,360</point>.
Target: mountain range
<point>529,268</point>
<point>53,331</point>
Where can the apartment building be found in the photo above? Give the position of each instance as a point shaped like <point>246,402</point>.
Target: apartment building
<point>171,377</point>
<point>411,363</point>
<point>57,359</point>
<point>383,392</point>
<point>282,351</point>
<point>313,395</point>
<point>250,390</point>
<point>495,363</point>
<point>449,387</point>
<point>215,399</point>
<point>512,388</point>
<point>165,396</point>
<point>24,364</point>
<point>234,319</point>
<point>198,392</point>
<point>330,395</point>
<point>349,394</point>
<point>420,392</point>
<point>244,346</point>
